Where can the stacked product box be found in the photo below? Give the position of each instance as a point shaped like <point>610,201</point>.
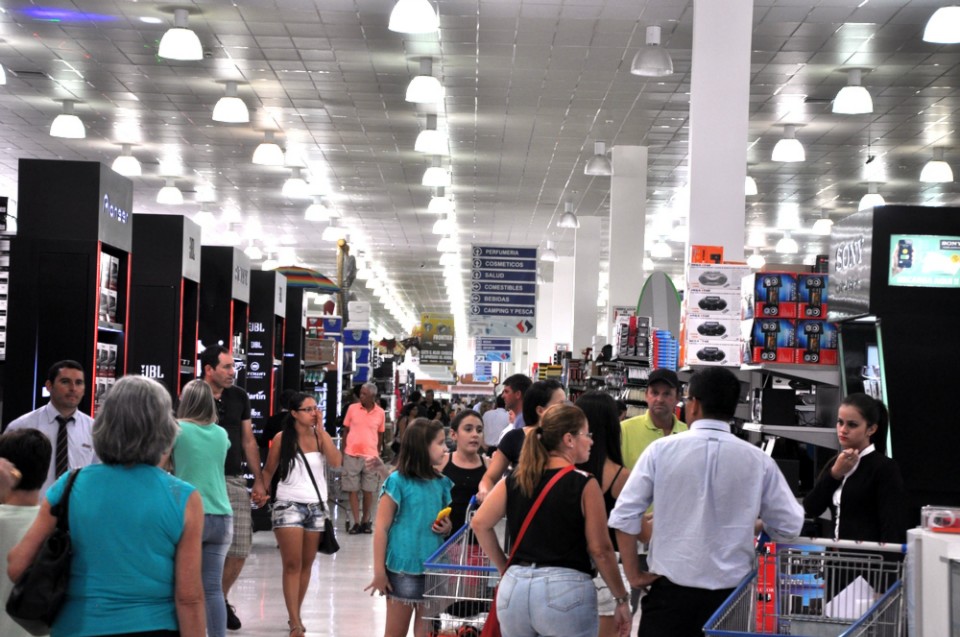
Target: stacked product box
<point>106,375</point>
<point>359,315</point>
<point>711,323</point>
<point>4,291</point>
<point>356,345</point>
<point>109,275</point>
<point>665,350</point>
<point>633,338</point>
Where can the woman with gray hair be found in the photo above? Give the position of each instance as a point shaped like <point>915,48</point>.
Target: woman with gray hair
<point>136,530</point>
<point>198,457</point>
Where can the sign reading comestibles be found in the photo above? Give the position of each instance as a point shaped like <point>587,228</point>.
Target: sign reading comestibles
<point>503,291</point>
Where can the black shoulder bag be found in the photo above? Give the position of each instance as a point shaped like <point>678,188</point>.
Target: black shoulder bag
<point>37,596</point>
<point>328,543</point>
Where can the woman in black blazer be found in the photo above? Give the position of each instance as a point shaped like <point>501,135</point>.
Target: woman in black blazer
<point>861,486</point>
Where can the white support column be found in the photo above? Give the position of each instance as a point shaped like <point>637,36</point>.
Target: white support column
<point>628,213</point>
<point>586,285</point>
<point>719,114</point>
<point>563,285</point>
<point>542,349</point>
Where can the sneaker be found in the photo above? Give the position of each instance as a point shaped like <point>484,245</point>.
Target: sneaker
<point>366,527</point>
<point>233,622</point>
<point>354,529</point>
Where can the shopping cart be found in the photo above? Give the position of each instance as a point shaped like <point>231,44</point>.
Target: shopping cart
<point>818,588</point>
<point>461,582</point>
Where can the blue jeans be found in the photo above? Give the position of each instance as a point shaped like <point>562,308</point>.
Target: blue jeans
<point>554,601</point>
<point>217,533</point>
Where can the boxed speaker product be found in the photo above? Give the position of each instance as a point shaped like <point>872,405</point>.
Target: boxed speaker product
<point>111,306</point>
<point>709,276</point>
<point>713,303</point>
<point>811,296</point>
<point>633,338</point>
<point>104,304</point>
<point>110,367</point>
<point>773,340</point>
<point>817,342</point>
<point>769,295</point>
<point>707,352</point>
<point>114,272</point>
<point>721,328</point>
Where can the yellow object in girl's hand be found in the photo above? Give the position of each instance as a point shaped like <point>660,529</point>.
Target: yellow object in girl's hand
<point>443,513</point>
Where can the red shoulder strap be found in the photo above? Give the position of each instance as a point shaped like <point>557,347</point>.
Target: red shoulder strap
<point>536,505</point>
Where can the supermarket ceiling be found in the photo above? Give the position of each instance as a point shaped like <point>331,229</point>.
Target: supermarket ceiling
<point>529,87</point>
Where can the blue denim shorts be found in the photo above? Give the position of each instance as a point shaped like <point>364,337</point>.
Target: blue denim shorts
<point>308,516</point>
<point>406,588</point>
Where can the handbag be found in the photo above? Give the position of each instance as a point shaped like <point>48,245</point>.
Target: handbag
<point>491,627</point>
<point>37,596</point>
<point>328,543</point>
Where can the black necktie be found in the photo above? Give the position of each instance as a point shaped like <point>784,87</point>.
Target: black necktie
<point>63,463</point>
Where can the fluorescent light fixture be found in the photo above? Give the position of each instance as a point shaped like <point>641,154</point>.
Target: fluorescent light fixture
<point>149,19</point>
<point>789,149</point>
<point>937,171</point>
<point>230,109</point>
<point>413,16</point>
<point>295,187</point>
<point>652,60</point>
<point>787,245</point>
<point>432,141</point>
<point>756,261</point>
<point>824,225</point>
<point>943,27</point>
<point>598,165</point>
<point>440,204</point>
<point>660,250</point>
<point>435,176</point>
<point>750,186</point>
<point>444,226</point>
<point>126,164</point>
<point>319,210</point>
<point>253,252</point>
<point>872,199</point>
<point>549,254</point>
<point>853,99</point>
<point>268,153</point>
<point>67,125</point>
<point>179,42</point>
<point>569,218</point>
<point>170,195</point>
<point>424,88</point>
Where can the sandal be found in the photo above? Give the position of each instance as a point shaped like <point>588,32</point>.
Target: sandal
<point>296,631</point>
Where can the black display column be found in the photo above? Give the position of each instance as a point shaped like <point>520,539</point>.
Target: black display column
<point>165,298</point>
<point>224,302</point>
<point>268,306</point>
<point>69,281</point>
<point>294,337</point>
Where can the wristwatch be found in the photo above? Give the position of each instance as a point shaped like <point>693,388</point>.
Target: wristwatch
<point>625,599</point>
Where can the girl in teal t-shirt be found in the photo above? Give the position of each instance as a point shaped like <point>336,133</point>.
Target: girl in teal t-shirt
<point>407,531</point>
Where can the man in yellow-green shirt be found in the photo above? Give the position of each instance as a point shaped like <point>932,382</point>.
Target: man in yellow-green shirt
<point>659,421</point>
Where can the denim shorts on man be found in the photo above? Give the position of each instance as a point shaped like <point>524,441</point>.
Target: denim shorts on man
<point>306,515</point>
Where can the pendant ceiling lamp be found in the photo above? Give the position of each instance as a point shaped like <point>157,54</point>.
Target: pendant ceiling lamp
<point>66,124</point>
<point>943,27</point>
<point>789,148</point>
<point>295,187</point>
<point>448,244</point>
<point>853,99</point>
<point>333,232</point>
<point>435,176</point>
<point>431,141</point>
<point>937,171</point>
<point>424,88</point>
<point>450,260</point>
<point>3,76</point>
<point>750,186</point>
<point>179,42</point>
<point>569,218</point>
<point>787,245</point>
<point>648,264</point>
<point>170,195</point>
<point>253,252</point>
<point>230,109</point>
<point>756,261</point>
<point>872,199</point>
<point>444,226</point>
<point>598,165</point>
<point>440,204</point>
<point>268,152</point>
<point>549,254</point>
<point>823,226</point>
<point>126,164</point>
<point>652,60</point>
<point>660,250</point>
<point>413,16</point>
<point>319,210</point>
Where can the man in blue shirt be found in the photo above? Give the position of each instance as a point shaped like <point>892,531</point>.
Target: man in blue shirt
<point>709,489</point>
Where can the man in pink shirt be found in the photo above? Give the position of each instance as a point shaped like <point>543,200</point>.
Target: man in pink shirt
<point>363,427</point>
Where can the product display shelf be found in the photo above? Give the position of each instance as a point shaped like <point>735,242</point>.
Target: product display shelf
<point>816,374</point>
<point>266,329</point>
<point>820,436</point>
<point>225,303</point>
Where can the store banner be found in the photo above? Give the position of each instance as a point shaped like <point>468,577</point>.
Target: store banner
<point>436,340</point>
<point>482,372</point>
<point>503,291</point>
<point>495,350</point>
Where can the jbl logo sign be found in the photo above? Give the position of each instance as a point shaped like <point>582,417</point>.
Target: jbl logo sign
<point>151,371</point>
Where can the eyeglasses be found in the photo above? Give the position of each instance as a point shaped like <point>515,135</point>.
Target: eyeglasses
<point>307,410</point>
<point>588,434</point>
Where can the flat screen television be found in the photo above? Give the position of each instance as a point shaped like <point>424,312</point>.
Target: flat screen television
<point>924,261</point>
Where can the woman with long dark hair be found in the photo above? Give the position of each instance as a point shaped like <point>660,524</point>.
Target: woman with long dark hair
<point>300,449</point>
<point>548,588</point>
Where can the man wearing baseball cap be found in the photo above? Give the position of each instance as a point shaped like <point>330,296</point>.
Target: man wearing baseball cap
<point>659,421</point>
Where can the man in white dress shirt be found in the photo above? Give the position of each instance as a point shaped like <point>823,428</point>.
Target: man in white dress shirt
<point>709,489</point>
<point>69,430</point>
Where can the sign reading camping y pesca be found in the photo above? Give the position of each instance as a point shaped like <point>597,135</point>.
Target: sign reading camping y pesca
<point>503,292</point>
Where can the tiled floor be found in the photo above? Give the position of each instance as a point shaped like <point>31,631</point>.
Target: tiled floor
<point>335,605</point>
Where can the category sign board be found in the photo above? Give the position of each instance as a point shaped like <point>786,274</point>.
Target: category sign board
<point>503,292</point>
<point>436,342</point>
<point>482,372</point>
<point>494,350</point>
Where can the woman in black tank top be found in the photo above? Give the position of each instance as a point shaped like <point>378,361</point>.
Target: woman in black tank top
<point>464,466</point>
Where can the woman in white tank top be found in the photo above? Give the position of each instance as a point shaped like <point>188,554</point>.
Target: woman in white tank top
<point>299,510</point>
